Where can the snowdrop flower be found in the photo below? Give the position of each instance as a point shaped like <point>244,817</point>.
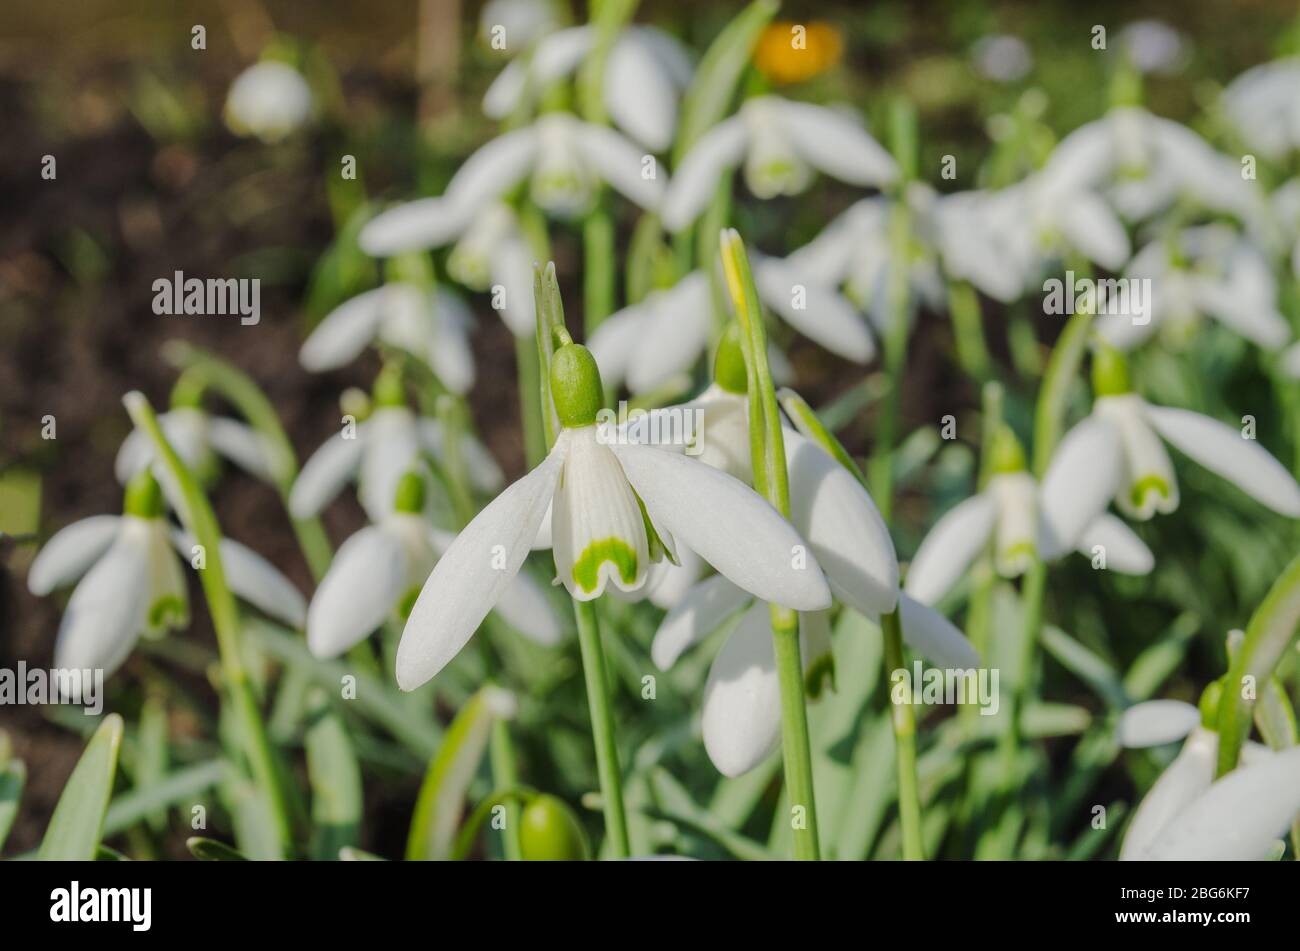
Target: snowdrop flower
<point>1188,814</point>
<point>518,23</point>
<point>489,251</point>
<point>268,100</point>
<point>1262,105</point>
<point>645,74</point>
<point>132,583</point>
<point>1025,521</point>
<point>647,344</point>
<point>565,160</point>
<point>1144,163</point>
<point>199,438</point>
<point>1152,46</point>
<point>378,451</point>
<point>1209,270</point>
<point>1002,58</point>
<point>1124,438</point>
<point>433,326</point>
<point>610,504</point>
<point>781,142</point>
<point>378,572</point>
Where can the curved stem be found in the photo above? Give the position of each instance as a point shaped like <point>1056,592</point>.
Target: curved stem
<point>602,727</point>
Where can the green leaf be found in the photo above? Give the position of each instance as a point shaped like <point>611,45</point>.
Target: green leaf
<point>12,776</point>
<point>74,831</point>
<point>178,788</point>
<point>335,777</point>
<point>1084,664</point>
<point>442,794</point>
<point>151,754</point>
<point>676,805</point>
<point>1271,630</point>
<point>210,850</point>
<point>712,90</point>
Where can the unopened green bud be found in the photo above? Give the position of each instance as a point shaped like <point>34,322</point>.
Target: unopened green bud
<point>409,496</point>
<point>550,832</point>
<point>1209,705</point>
<point>388,387</point>
<point>575,386</point>
<point>143,498</point>
<point>1109,372</point>
<point>729,362</point>
<point>411,268</point>
<point>1008,455</point>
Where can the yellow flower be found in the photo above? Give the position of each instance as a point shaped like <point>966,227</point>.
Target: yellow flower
<point>794,52</point>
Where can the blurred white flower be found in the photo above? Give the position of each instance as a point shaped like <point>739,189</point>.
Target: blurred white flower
<point>1024,521</point>
<point>432,326</point>
<point>648,343</point>
<point>1121,444</point>
<point>377,452</point>
<point>132,583</point>
<point>1188,814</point>
<point>611,500</point>
<point>268,100</point>
<point>198,439</point>
<point>518,23</point>
<point>1263,106</point>
<point>490,252</point>
<point>781,142</point>
<point>1153,46</point>
<point>1002,58</point>
<point>378,572</point>
<point>645,74</point>
<point>1209,270</point>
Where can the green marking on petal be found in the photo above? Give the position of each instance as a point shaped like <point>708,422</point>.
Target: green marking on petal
<point>169,611</point>
<point>1016,550</point>
<point>586,569</point>
<point>658,550</point>
<point>1148,483</point>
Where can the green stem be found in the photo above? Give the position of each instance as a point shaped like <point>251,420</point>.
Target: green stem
<point>968,330</point>
<point>202,370</point>
<point>796,750</point>
<point>598,275</point>
<point>530,412</point>
<point>201,521</point>
<point>602,727</point>
<point>904,724</point>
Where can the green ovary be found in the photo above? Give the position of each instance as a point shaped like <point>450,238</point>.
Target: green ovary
<point>586,569</point>
<point>1150,483</point>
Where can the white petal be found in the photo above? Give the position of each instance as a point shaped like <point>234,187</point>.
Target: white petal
<point>836,144</point>
<point>1147,483</point>
<point>695,180</point>
<point>949,548</point>
<point>108,609</point>
<point>1125,552</point>
<point>617,340</point>
<point>832,510</point>
<point>70,552</point>
<point>1091,227</point>
<point>362,587</point>
<point>1186,778</point>
<point>415,226</point>
<point>1082,478</point>
<point>934,636</point>
<point>527,608</point>
<point>675,334</point>
<point>742,698</point>
<point>598,533</point>
<point>554,57</point>
<point>512,269</point>
<point>474,573</point>
<point>244,446</point>
<point>700,612</point>
<point>325,473</point>
<point>449,353</point>
<point>344,332</point>
<point>1224,451</point>
<point>494,169</point>
<point>260,583</point>
<point>818,312</point>
<point>1238,817</point>
<point>620,163</point>
<point>728,525</point>
<point>639,93</point>
<point>1157,722</point>
<point>392,449</point>
<point>669,583</point>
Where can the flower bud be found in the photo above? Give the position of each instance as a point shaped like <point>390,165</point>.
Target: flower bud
<point>575,386</point>
<point>1007,455</point>
<point>1109,372</point>
<point>729,362</point>
<point>550,832</point>
<point>409,496</point>
<point>143,498</point>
